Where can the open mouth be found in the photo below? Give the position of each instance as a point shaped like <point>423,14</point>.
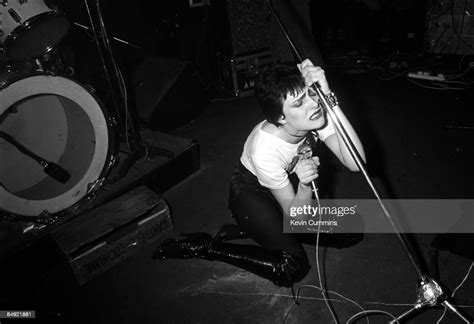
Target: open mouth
<point>318,113</point>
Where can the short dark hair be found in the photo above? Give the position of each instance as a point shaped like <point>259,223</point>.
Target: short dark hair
<point>272,87</point>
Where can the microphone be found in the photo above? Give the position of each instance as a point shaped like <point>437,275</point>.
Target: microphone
<point>306,152</point>
<point>55,171</point>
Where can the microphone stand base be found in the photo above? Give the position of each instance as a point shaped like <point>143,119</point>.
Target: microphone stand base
<point>429,293</point>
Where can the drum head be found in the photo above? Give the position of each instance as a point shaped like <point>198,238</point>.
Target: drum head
<point>38,36</point>
<point>60,121</point>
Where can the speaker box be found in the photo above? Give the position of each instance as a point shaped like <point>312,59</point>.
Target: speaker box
<point>168,92</point>
<point>242,26</point>
<point>247,27</point>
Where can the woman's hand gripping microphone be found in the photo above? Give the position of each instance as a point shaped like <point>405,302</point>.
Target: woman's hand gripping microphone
<point>307,167</point>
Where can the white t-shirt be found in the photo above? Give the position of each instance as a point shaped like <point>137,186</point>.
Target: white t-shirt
<point>270,158</point>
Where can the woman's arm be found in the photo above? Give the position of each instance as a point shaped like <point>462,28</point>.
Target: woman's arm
<point>307,171</point>
<point>334,142</point>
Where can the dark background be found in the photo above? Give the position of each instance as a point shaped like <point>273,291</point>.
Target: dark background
<point>200,34</point>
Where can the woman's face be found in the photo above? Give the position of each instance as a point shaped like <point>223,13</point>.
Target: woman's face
<point>303,112</point>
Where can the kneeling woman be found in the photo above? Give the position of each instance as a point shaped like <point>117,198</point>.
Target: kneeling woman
<point>261,193</point>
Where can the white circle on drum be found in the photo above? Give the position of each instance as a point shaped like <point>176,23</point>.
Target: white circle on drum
<point>61,121</point>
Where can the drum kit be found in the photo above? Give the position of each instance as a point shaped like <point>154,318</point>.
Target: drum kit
<point>46,118</point>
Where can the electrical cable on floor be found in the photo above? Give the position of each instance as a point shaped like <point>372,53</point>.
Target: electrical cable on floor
<point>463,57</point>
<point>454,291</point>
<point>447,84</point>
<point>315,298</point>
<point>337,294</point>
<point>402,73</point>
<point>371,312</point>
<point>321,284</point>
<point>438,85</point>
<point>329,291</point>
<point>374,312</point>
<point>457,76</point>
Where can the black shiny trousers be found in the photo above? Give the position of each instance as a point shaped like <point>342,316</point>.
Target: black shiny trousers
<point>258,214</point>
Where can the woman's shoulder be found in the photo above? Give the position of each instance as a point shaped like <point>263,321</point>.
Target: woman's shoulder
<point>262,140</point>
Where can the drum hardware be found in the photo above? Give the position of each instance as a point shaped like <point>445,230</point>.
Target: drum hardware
<point>43,219</point>
<point>120,40</point>
<point>14,15</point>
<point>46,218</point>
<point>30,28</point>
<point>94,186</point>
<point>429,291</point>
<point>55,171</point>
<point>51,63</point>
<point>92,190</point>
<point>15,67</point>
<point>127,119</point>
<point>91,89</point>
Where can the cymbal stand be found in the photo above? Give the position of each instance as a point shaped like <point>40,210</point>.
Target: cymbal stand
<point>429,291</point>
<point>126,119</point>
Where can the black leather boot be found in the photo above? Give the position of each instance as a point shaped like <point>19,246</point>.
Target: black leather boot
<point>195,245</point>
<point>230,232</point>
<point>282,268</point>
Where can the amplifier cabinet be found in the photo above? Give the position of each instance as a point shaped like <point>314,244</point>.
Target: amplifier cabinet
<point>239,73</point>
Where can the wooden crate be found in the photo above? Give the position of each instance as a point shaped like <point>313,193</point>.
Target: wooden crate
<point>95,241</point>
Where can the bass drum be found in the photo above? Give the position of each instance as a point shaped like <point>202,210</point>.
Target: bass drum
<point>62,122</point>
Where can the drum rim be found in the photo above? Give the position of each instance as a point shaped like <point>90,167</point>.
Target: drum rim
<point>28,25</point>
<point>108,162</point>
<point>14,76</point>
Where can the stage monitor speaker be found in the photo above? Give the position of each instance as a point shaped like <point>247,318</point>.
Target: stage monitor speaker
<point>242,26</point>
<point>168,92</point>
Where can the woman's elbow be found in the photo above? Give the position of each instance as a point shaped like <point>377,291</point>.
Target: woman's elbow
<point>354,167</point>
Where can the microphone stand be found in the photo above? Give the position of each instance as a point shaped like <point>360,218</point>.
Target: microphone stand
<point>429,291</point>
<point>54,170</point>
